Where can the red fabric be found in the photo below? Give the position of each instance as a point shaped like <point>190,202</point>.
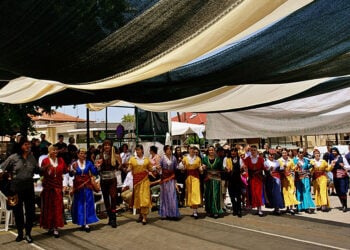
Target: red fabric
<point>51,197</point>
<point>255,181</point>
<point>193,172</point>
<point>167,175</point>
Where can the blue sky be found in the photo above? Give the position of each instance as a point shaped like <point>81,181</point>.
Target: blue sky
<point>115,114</point>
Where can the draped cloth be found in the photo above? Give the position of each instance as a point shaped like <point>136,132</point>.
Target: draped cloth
<point>51,215</point>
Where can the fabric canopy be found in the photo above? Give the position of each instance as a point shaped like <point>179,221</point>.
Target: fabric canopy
<point>182,128</point>
<point>323,114</point>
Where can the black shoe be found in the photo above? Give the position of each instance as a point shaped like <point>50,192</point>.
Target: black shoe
<point>239,214</point>
<point>195,216</point>
<point>87,229</point>
<point>345,209</point>
<point>276,212</point>
<point>28,238</point>
<point>144,222</point>
<point>19,238</point>
<point>114,224</point>
<point>56,234</point>
<point>139,219</point>
<point>216,216</point>
<point>261,214</point>
<point>82,228</point>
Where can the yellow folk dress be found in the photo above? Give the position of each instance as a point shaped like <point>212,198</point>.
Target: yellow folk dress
<point>141,191</point>
<point>193,194</point>
<point>319,173</point>
<point>287,179</point>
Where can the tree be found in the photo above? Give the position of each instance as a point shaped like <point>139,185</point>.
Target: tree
<point>128,118</point>
<point>17,118</point>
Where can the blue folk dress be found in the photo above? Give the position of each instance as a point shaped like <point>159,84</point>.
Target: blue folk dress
<point>303,184</point>
<point>83,208</point>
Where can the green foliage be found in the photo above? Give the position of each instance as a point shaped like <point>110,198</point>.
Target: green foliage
<point>128,118</point>
<point>194,139</point>
<point>17,118</point>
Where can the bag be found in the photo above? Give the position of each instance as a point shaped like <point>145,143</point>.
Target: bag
<point>95,184</point>
<point>12,200</point>
<point>7,189</point>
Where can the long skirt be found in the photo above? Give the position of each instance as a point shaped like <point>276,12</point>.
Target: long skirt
<point>213,196</point>
<point>255,186</point>
<point>288,189</point>
<point>276,198</point>
<point>168,200</point>
<point>321,191</point>
<point>142,196</point>
<point>303,193</point>
<point>83,208</point>
<point>193,194</point>
<point>51,215</point>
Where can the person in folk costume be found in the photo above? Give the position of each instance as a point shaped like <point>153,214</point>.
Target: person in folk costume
<point>244,180</point>
<point>168,197</point>
<point>319,169</point>
<point>192,165</point>
<point>53,168</point>
<point>83,208</point>
<point>141,167</point>
<point>274,182</point>
<point>288,188</point>
<point>232,164</point>
<point>255,165</point>
<point>340,177</point>
<point>107,163</point>
<point>212,183</point>
<point>303,183</point>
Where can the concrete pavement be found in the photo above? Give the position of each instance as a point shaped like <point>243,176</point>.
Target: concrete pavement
<point>302,231</point>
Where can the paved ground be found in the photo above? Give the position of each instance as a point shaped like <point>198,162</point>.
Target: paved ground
<point>304,231</point>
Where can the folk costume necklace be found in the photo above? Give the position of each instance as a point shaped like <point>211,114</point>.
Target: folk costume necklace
<point>211,162</point>
<point>82,166</point>
<point>140,160</point>
<point>191,159</point>
<point>254,161</point>
<point>168,160</point>
<point>54,164</point>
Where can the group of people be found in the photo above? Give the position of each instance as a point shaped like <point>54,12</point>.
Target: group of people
<point>277,181</point>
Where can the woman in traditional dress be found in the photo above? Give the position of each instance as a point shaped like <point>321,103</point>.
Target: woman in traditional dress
<point>303,183</point>
<point>274,182</point>
<point>192,164</point>
<point>288,187</point>
<point>141,167</point>
<point>154,157</point>
<point>83,208</point>
<point>255,165</point>
<point>53,168</point>
<point>340,178</point>
<point>232,165</point>
<point>107,164</point>
<point>319,169</point>
<point>212,183</point>
<point>168,198</point>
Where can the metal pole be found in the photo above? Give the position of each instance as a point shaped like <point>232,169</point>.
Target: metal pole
<point>87,129</point>
<point>106,120</point>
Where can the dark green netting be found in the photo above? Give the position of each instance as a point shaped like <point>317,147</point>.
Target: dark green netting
<point>86,40</point>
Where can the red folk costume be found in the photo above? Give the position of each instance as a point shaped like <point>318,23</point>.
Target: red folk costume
<point>255,183</point>
<point>52,197</point>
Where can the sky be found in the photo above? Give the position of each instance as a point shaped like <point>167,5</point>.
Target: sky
<point>115,114</point>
